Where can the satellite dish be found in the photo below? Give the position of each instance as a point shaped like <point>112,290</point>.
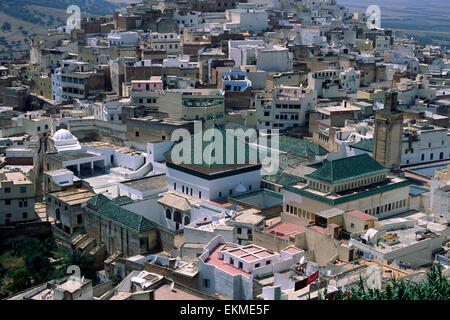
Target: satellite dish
<point>172,285</point>
<point>302,259</point>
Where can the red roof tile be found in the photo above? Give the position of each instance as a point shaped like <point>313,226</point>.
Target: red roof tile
<point>228,268</point>
<point>360,215</point>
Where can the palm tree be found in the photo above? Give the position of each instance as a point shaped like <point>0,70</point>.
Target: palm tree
<point>435,287</point>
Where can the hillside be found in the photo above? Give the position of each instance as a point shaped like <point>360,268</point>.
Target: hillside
<point>427,21</point>
<point>20,19</point>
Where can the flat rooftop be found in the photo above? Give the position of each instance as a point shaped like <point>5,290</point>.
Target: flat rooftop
<point>14,177</point>
<point>73,156</point>
<point>107,145</point>
<point>148,183</point>
<point>165,293</point>
<point>285,230</point>
<point>214,260</point>
<point>249,216</point>
<point>73,196</point>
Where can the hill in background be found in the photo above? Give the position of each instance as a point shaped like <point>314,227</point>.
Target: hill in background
<point>426,21</point>
<point>20,19</point>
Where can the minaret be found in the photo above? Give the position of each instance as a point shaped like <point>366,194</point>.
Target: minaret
<point>388,133</point>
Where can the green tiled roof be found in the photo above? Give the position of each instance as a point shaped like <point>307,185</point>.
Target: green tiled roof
<point>352,197</point>
<point>283,178</point>
<point>300,147</point>
<point>209,146</point>
<point>112,209</point>
<point>416,190</point>
<point>344,169</point>
<point>263,192</point>
<point>365,145</point>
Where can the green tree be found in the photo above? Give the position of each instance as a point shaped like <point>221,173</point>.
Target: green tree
<point>435,287</point>
<point>85,263</point>
<point>20,281</point>
<point>39,267</point>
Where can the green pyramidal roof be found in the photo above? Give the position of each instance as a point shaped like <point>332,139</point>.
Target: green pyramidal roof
<point>214,147</point>
<point>344,169</point>
<point>112,209</point>
<point>300,147</point>
<point>365,145</point>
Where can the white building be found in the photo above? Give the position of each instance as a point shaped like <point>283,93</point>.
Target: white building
<point>440,194</point>
<point>110,111</point>
<point>229,269</point>
<point>423,143</point>
<point>312,36</point>
<point>128,38</point>
<point>351,79</point>
<point>401,241</point>
<point>327,83</point>
<point>181,62</point>
<point>248,19</point>
<point>57,85</point>
<point>266,57</point>
<point>169,42</point>
<point>290,107</point>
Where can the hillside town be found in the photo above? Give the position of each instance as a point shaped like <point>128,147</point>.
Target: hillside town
<point>121,142</point>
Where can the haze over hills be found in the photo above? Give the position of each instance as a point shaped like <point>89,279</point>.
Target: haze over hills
<point>427,21</point>
<point>21,19</point>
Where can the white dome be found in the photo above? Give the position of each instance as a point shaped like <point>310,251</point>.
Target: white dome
<point>62,134</point>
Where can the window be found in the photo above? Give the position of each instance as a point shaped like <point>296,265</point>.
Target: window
<point>239,231</point>
<point>137,133</point>
<point>177,217</point>
<point>187,221</point>
<point>199,194</point>
<point>352,225</point>
<point>206,283</point>
<point>79,219</point>
<point>24,215</point>
<point>240,265</point>
<point>8,202</point>
<point>7,190</point>
<point>257,265</point>
<point>268,262</point>
<point>366,227</point>
<point>168,214</point>
<point>232,261</point>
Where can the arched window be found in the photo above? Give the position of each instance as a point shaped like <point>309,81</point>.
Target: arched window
<point>187,221</point>
<point>178,217</point>
<point>168,214</point>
